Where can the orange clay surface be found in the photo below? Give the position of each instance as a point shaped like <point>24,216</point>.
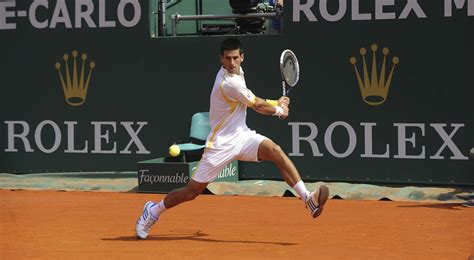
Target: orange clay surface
<point>100,225</point>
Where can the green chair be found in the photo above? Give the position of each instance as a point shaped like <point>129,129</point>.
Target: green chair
<point>193,149</point>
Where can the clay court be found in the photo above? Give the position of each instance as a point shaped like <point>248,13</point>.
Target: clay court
<point>98,225</point>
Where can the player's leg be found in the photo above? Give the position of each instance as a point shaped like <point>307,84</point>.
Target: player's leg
<point>269,151</point>
<point>178,196</point>
<point>256,147</point>
<point>314,201</point>
<point>152,211</point>
<point>206,171</point>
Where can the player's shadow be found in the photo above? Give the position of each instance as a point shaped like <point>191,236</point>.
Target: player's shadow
<point>193,236</point>
<point>449,206</point>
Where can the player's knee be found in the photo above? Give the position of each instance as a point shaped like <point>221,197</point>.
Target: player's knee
<point>277,153</point>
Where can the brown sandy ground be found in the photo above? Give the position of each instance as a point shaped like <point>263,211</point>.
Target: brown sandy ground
<point>100,225</point>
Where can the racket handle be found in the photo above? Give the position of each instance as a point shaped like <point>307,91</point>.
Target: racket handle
<point>284,94</point>
<point>284,87</point>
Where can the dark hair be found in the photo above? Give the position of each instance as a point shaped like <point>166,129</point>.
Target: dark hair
<point>231,44</point>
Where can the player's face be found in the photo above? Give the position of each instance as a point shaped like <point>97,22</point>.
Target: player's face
<point>231,60</point>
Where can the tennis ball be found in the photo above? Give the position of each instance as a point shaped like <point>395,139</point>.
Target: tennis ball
<point>174,150</point>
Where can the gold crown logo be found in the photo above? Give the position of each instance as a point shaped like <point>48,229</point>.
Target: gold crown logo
<point>374,90</point>
<point>75,88</point>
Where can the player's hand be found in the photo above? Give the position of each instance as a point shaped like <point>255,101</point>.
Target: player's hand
<point>284,101</point>
<point>286,112</point>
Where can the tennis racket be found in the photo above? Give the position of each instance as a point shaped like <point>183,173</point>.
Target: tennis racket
<point>290,71</point>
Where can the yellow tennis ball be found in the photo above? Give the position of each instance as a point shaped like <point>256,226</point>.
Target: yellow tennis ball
<point>174,150</point>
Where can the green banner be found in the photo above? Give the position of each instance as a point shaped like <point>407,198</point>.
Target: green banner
<point>159,175</point>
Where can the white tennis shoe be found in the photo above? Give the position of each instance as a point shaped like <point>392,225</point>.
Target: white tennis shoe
<point>145,221</point>
<point>316,200</point>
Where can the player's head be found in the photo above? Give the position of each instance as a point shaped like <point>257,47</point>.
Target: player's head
<point>232,55</point>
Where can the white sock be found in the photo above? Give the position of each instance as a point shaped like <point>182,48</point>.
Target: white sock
<point>158,209</point>
<point>300,188</point>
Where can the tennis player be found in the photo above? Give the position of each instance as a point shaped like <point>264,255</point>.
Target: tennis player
<point>231,139</point>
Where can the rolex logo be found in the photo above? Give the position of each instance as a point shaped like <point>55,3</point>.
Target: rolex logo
<point>75,86</point>
<point>374,88</point>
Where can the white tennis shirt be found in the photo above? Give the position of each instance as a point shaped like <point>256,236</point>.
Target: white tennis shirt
<point>230,98</point>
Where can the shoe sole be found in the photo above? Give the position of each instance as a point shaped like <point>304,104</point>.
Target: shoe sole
<point>323,198</point>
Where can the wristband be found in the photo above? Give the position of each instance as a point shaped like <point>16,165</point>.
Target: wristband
<point>278,111</point>
<point>272,102</point>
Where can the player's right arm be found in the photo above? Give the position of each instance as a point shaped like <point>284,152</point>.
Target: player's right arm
<point>264,107</point>
<point>236,90</point>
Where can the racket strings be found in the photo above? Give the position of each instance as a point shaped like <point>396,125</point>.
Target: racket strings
<point>290,70</point>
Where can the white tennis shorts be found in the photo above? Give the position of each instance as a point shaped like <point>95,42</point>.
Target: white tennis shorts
<point>244,148</point>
